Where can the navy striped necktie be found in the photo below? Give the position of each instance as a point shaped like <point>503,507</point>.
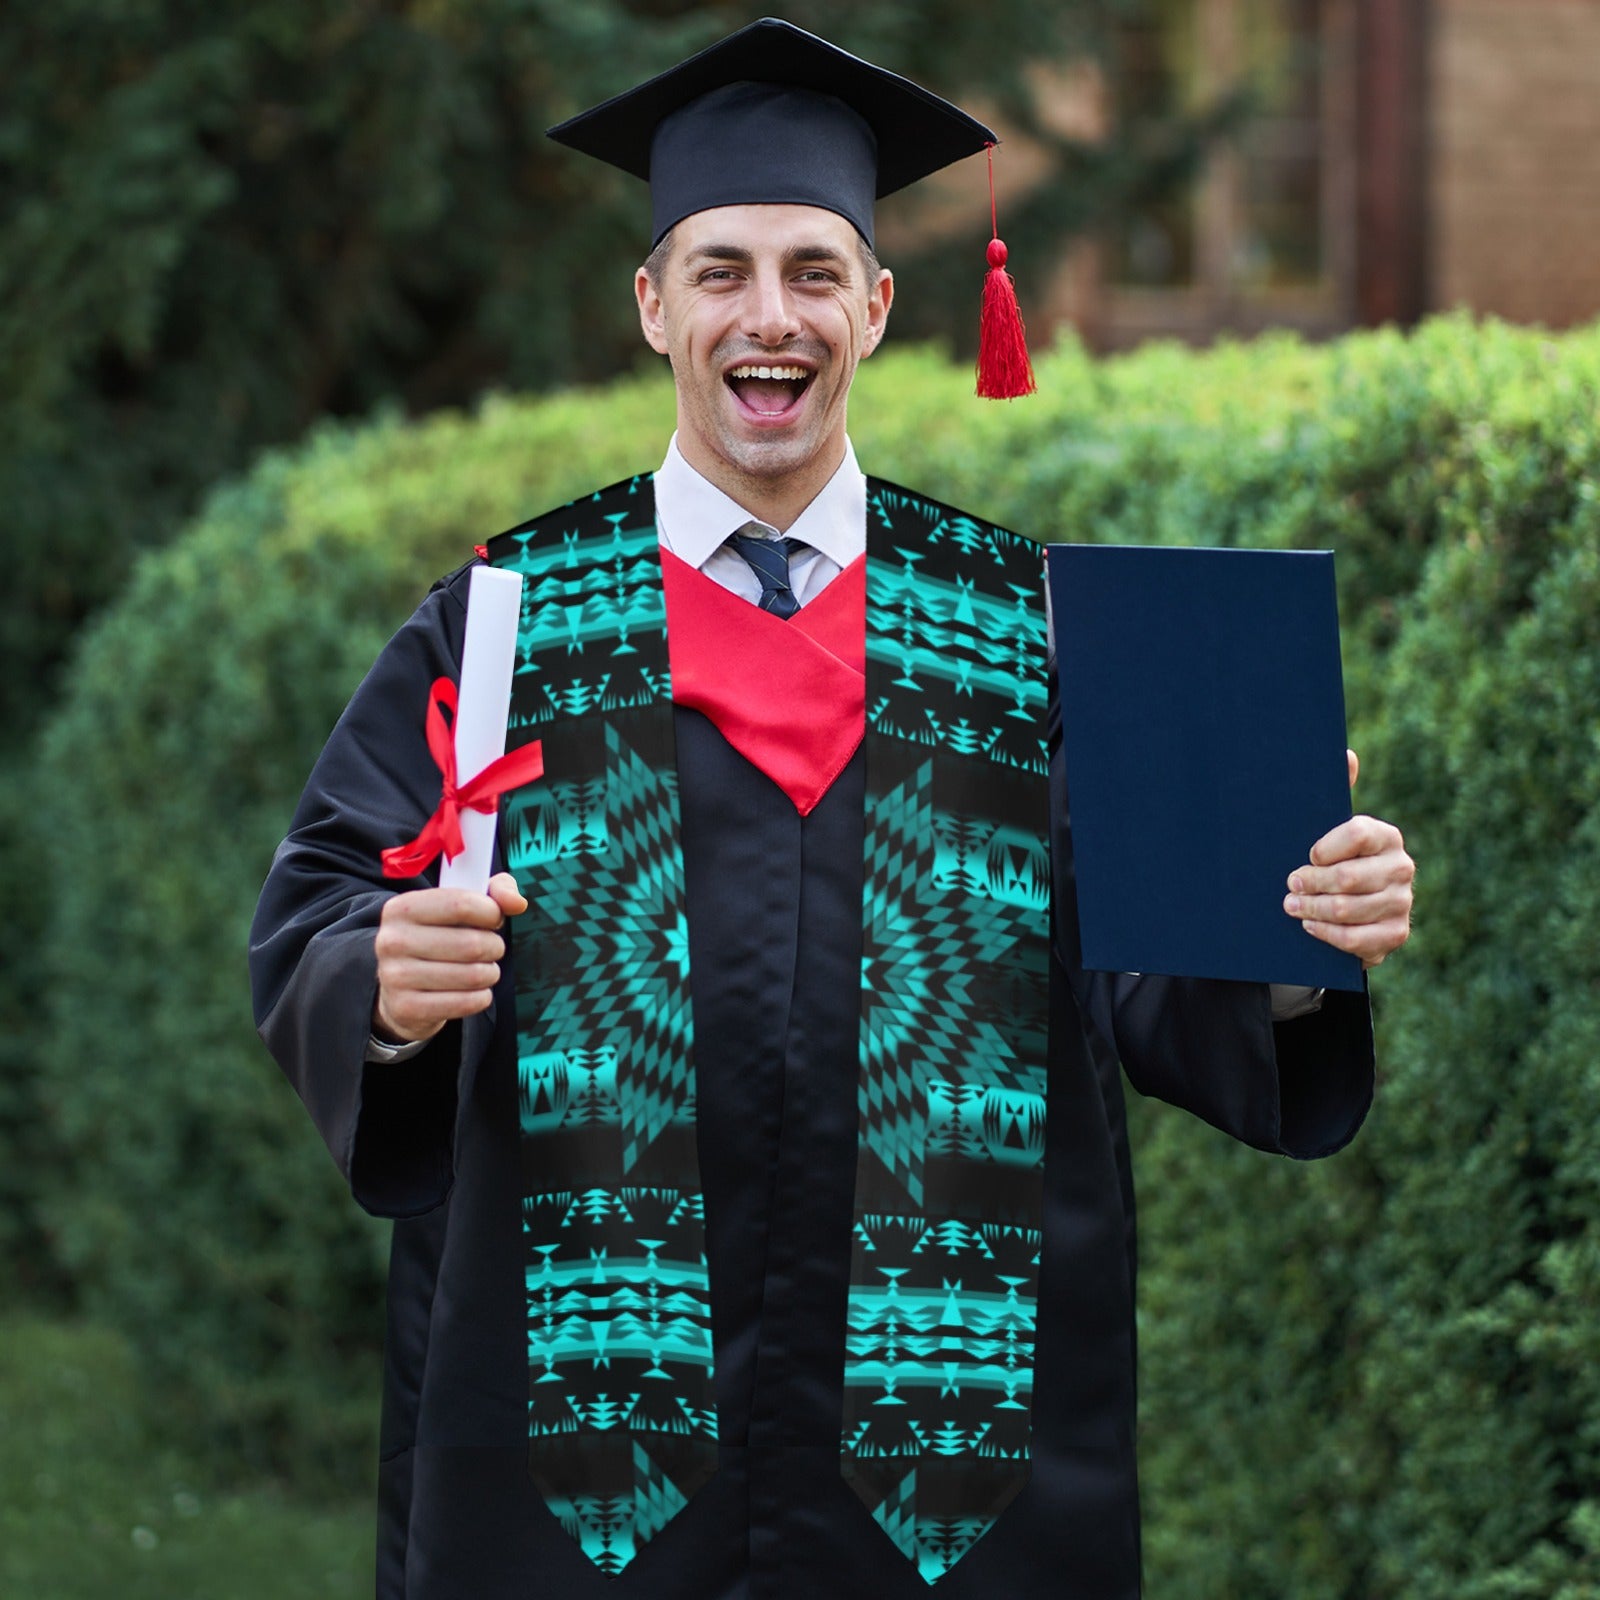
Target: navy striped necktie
<point>769,560</point>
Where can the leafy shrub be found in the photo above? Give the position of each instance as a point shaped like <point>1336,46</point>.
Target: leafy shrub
<point>1370,1378</point>
<point>196,1212</point>
<point>1375,1378</point>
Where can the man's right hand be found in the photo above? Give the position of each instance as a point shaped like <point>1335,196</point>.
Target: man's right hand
<point>438,957</point>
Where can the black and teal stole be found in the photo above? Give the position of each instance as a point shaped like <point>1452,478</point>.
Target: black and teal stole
<point>945,1264</point>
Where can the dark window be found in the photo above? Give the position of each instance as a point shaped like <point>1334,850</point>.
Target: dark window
<point>1264,234</point>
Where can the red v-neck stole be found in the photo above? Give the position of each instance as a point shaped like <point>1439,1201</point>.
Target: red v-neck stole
<point>789,696</point>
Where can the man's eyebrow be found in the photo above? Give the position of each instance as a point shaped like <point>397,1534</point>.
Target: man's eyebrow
<point>821,254</point>
<point>720,252</point>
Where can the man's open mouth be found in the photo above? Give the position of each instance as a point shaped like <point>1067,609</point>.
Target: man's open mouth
<point>769,390</point>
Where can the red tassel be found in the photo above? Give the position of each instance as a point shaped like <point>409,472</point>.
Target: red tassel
<point>1004,370</point>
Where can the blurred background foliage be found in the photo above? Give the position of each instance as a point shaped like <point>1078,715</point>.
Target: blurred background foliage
<point>258,266</point>
<point>1372,1377</point>
<point>219,225</point>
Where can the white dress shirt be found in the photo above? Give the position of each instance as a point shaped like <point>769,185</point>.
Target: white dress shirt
<point>693,520</point>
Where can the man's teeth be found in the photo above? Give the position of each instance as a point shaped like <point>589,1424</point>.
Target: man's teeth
<point>795,374</point>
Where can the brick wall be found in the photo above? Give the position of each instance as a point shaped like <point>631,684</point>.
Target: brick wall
<point>1514,158</point>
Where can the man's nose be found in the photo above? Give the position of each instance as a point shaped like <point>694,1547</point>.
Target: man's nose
<point>772,319</point>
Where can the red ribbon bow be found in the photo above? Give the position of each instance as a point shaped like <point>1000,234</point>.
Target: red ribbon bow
<point>442,831</point>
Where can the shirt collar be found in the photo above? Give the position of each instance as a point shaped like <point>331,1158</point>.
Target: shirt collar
<point>695,517</point>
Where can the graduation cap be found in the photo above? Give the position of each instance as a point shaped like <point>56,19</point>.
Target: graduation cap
<point>773,115</point>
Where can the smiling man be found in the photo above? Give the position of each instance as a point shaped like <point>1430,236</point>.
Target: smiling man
<point>763,1214</point>
<point>764,312</point>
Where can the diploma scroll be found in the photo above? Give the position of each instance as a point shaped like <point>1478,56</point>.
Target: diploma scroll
<point>494,606</point>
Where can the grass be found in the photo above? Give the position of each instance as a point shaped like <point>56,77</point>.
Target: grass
<point>94,1504</point>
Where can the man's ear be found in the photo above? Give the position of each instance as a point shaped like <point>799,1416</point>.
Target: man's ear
<point>652,315</point>
<point>878,303</point>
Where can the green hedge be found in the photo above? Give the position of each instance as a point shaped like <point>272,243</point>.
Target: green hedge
<point>198,1211</point>
<point>1377,1377</point>
<point>1374,1377</point>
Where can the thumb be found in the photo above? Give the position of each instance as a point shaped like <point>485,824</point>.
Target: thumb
<point>1354,762</point>
<point>504,892</point>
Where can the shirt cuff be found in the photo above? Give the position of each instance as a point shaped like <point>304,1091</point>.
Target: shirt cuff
<point>1291,1000</point>
<point>378,1050</point>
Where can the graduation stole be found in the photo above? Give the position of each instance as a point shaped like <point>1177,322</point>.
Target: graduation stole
<point>944,1273</point>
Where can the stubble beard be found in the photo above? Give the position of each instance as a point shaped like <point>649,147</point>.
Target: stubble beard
<point>787,454</point>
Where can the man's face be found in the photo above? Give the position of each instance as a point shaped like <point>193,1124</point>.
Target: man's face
<point>764,311</point>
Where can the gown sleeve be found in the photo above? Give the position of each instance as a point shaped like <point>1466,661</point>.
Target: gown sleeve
<point>313,965</point>
<point>1299,1088</point>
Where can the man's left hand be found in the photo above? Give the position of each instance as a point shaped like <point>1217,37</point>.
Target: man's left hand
<point>1355,893</point>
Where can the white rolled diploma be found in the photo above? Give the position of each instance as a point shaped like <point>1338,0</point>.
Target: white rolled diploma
<point>488,660</point>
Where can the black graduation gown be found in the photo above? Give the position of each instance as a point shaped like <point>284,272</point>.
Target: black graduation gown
<point>775,917</point>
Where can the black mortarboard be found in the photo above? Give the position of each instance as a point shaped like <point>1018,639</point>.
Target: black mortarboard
<point>774,115</point>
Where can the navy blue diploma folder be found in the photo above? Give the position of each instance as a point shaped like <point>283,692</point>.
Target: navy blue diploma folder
<point>1202,719</point>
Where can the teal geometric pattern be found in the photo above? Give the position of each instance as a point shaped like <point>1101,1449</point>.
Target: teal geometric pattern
<point>940,1338</point>
<point>622,1424</point>
<point>937,1063</point>
<point>949,1190</point>
<point>610,1531</point>
<point>612,1031</point>
<point>594,619</point>
<point>645,1307</point>
<point>956,632</point>
<point>940,1358</point>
